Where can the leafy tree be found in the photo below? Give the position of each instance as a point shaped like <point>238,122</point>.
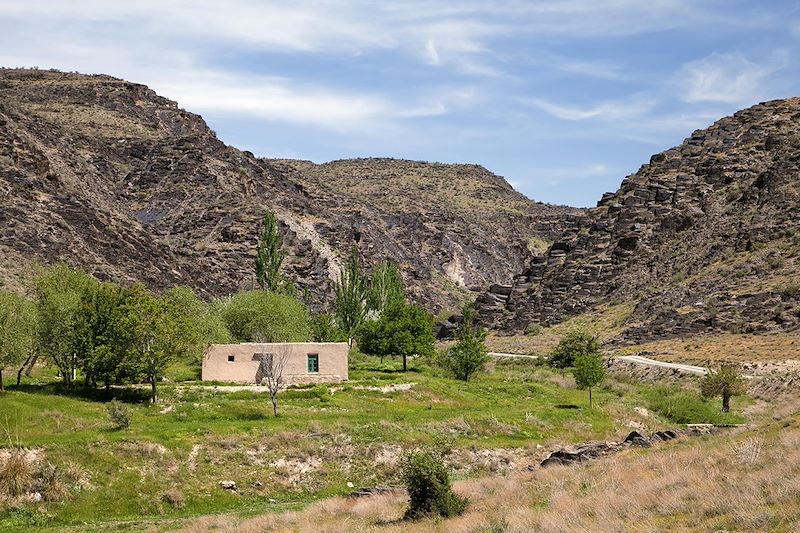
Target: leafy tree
<point>573,345</point>
<point>726,382</point>
<point>59,290</point>
<point>402,329</point>
<point>17,330</point>
<point>269,255</point>
<point>101,335</point>
<point>325,329</point>
<point>386,287</point>
<point>430,494</point>
<point>159,334</point>
<point>261,316</point>
<point>350,306</point>
<point>588,372</point>
<point>469,353</point>
<point>204,321</point>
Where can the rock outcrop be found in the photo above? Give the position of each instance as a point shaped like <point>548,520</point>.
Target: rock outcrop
<point>706,237</point>
<point>110,177</point>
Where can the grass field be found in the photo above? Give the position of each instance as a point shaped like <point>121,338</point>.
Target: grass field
<point>329,439</point>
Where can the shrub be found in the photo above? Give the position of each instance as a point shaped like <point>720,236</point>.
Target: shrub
<point>534,329</point>
<point>401,330</point>
<point>261,316</point>
<point>119,414</point>
<point>174,498</point>
<point>469,353</point>
<point>16,475</point>
<point>428,484</point>
<point>574,344</point>
<point>725,382</point>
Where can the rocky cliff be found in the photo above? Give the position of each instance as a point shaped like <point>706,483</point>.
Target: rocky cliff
<point>108,176</point>
<point>706,237</point>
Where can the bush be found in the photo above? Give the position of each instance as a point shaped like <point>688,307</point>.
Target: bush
<point>465,358</point>
<point>684,407</point>
<point>16,475</point>
<point>401,330</point>
<point>574,344</point>
<point>261,316</point>
<point>428,484</point>
<point>120,414</point>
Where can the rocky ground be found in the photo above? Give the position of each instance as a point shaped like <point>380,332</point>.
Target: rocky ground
<point>108,176</point>
<point>704,238</point>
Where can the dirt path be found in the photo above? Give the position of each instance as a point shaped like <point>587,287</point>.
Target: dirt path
<point>514,355</point>
<point>639,360</point>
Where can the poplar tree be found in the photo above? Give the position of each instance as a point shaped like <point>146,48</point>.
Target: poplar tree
<point>386,287</point>
<point>269,255</point>
<point>351,296</point>
<point>17,328</point>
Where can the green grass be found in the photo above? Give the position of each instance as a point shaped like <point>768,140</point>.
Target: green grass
<point>337,430</point>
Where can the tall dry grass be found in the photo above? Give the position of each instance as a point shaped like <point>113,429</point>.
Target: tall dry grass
<point>748,481</point>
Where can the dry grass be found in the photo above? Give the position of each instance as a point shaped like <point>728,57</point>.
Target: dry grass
<point>16,475</point>
<point>748,481</point>
<point>606,322</point>
<point>740,348</point>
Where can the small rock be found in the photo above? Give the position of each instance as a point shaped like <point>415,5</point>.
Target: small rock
<point>228,484</point>
<point>271,500</point>
<point>257,484</point>
<point>350,485</point>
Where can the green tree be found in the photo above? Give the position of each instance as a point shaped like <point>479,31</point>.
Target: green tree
<point>269,255</point>
<point>159,334</point>
<point>17,330</point>
<point>325,329</point>
<point>102,337</point>
<point>386,287</point>
<point>573,345</point>
<point>588,372</point>
<point>469,354</point>
<point>204,321</point>
<point>726,382</point>
<point>261,316</point>
<point>402,329</point>
<point>350,307</point>
<point>59,290</point>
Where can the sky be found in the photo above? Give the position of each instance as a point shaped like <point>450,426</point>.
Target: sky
<point>562,98</point>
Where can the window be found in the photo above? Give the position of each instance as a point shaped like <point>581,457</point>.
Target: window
<point>231,358</point>
<point>313,363</point>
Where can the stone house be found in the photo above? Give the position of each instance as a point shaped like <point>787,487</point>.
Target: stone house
<point>302,362</point>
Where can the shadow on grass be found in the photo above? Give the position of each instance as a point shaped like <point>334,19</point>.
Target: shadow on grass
<point>122,394</point>
<point>567,406</point>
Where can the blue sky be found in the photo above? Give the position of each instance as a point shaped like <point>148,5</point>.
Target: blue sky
<point>562,98</point>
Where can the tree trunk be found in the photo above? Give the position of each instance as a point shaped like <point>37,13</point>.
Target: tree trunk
<point>590,397</point>
<point>29,361</point>
<point>1,380</point>
<point>154,397</point>
<point>726,403</point>
<point>274,404</point>
<point>404,362</point>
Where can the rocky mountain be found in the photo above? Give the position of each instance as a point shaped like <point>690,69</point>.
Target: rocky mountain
<point>706,237</point>
<point>108,176</point>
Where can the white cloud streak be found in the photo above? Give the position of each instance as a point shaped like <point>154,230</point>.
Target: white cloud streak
<point>727,78</point>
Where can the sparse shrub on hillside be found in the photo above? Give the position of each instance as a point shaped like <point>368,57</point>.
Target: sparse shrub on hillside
<point>574,344</point>
<point>725,382</point>
<point>119,414</point>
<point>428,482</point>
<point>533,329</point>
<point>16,474</point>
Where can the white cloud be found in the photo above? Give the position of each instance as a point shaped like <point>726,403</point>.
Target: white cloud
<point>613,110</point>
<point>727,78</point>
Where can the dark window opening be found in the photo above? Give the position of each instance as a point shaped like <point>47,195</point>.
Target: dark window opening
<point>231,358</point>
<point>313,363</point>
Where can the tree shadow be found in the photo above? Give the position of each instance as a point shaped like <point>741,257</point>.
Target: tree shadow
<point>567,406</point>
<point>125,394</point>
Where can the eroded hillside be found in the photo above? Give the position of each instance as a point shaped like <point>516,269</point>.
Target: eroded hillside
<point>108,176</point>
<point>704,238</point>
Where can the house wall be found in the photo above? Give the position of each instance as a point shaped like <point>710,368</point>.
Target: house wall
<point>332,361</point>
